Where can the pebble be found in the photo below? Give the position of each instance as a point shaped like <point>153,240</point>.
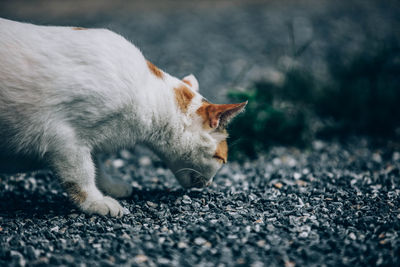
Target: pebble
<point>186,199</point>
<point>141,258</point>
<point>352,236</point>
<point>118,163</point>
<point>182,245</point>
<point>145,161</point>
<point>151,204</point>
<point>199,241</point>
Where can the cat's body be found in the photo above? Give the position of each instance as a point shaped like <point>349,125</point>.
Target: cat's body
<point>68,93</point>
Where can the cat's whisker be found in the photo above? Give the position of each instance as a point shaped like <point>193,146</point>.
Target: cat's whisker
<point>200,175</point>
<point>188,169</point>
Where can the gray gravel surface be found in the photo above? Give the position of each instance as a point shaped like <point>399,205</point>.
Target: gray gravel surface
<point>330,205</point>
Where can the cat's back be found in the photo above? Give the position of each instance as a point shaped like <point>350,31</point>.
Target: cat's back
<point>19,36</point>
<point>53,55</point>
<point>51,75</point>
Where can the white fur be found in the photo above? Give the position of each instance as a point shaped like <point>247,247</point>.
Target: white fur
<point>66,95</point>
<point>194,84</point>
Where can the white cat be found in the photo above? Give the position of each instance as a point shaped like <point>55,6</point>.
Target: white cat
<point>68,93</point>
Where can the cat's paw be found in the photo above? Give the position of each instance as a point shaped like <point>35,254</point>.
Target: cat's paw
<point>106,206</point>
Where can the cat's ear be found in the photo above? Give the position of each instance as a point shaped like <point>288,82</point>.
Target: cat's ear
<point>215,115</point>
<point>192,82</point>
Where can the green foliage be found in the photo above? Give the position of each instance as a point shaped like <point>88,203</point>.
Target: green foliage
<point>364,94</point>
<point>263,124</point>
<point>362,97</point>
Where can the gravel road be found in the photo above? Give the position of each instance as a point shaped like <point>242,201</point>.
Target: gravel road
<point>331,205</point>
<point>327,206</point>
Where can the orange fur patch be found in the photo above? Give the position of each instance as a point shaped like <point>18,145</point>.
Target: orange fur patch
<point>211,113</point>
<point>187,82</point>
<point>183,96</point>
<point>221,154</point>
<point>78,28</point>
<point>203,112</point>
<point>156,71</point>
<point>75,193</point>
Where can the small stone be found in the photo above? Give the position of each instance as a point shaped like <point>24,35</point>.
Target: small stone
<point>118,163</point>
<point>144,161</point>
<point>126,211</point>
<point>125,154</point>
<point>240,261</point>
<point>163,261</point>
<point>141,258</point>
<point>296,175</point>
<point>125,236</point>
<point>377,157</point>
<point>54,229</point>
<point>261,243</point>
<point>278,185</point>
<point>182,245</point>
<point>303,235</point>
<point>352,236</point>
<point>43,260</point>
<point>318,145</point>
<point>257,264</point>
<point>277,161</point>
<point>383,242</point>
<point>291,161</point>
<point>301,183</point>
<point>151,204</point>
<point>270,228</point>
<point>200,241</point>
<point>290,264</point>
<point>186,199</point>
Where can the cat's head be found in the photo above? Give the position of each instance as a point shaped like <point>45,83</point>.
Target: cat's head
<point>204,146</point>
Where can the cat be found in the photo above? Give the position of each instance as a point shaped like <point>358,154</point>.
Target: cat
<point>70,93</point>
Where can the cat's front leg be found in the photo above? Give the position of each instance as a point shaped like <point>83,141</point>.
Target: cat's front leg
<point>75,168</point>
<point>113,187</point>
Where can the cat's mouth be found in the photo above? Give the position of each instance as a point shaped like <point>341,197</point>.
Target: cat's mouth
<point>189,177</point>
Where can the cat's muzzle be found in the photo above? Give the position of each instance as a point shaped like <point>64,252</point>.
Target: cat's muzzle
<point>201,182</point>
<point>189,178</point>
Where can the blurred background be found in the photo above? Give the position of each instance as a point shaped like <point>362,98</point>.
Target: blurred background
<point>310,69</point>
